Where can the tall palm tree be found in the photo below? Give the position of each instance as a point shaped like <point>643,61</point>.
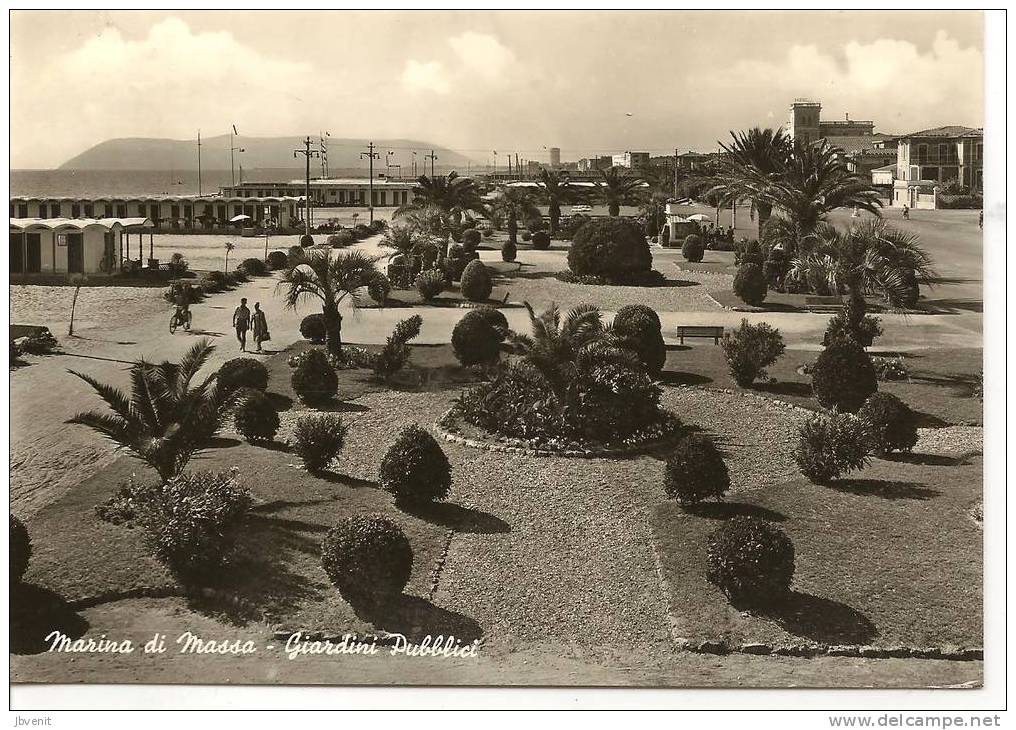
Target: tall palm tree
<point>561,349</point>
<point>404,239</point>
<point>452,194</point>
<point>618,188</point>
<point>750,163</point>
<point>515,204</point>
<point>330,279</point>
<point>814,182</point>
<point>557,189</point>
<point>428,220</point>
<point>229,247</point>
<point>164,421</point>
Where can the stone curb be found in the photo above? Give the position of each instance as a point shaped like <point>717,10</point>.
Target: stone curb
<point>949,653</point>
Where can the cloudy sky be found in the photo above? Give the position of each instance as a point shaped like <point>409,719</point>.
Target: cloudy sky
<point>588,82</point>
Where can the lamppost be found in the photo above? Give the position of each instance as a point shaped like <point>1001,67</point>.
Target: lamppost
<point>388,165</point>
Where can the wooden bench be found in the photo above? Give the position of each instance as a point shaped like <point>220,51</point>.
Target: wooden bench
<point>700,331</point>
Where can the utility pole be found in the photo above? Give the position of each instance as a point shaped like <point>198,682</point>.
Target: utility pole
<point>518,170</point>
<point>388,163</point>
<point>431,157</point>
<point>233,148</point>
<point>414,164</point>
<point>371,155</point>
<point>308,153</point>
<point>675,173</point>
<point>324,154</point>
<point>199,162</point>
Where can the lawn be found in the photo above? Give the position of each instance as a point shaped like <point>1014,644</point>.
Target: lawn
<point>888,556</point>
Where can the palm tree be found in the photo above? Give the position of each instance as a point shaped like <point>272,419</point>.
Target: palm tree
<point>753,161</point>
<point>229,247</point>
<point>515,204</point>
<point>164,421</point>
<point>454,195</point>
<point>75,280</point>
<point>557,189</point>
<point>561,350</point>
<point>331,279</point>
<point>618,188</point>
<point>428,220</point>
<point>814,182</point>
<point>404,239</point>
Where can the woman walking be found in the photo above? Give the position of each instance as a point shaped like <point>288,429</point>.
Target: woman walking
<point>259,325</point>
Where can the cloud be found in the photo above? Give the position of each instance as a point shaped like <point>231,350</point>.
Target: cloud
<point>482,54</point>
<point>426,76</point>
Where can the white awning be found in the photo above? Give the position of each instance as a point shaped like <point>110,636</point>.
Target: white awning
<point>78,224</point>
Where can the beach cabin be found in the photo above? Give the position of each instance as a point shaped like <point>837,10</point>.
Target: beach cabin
<point>73,245</point>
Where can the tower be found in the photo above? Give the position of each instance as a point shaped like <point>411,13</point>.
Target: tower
<point>555,157</point>
<point>804,125</point>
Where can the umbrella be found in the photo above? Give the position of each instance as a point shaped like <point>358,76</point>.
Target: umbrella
<point>238,218</point>
<point>699,217</point>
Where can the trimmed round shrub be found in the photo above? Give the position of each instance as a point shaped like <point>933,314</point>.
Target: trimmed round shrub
<point>863,331</point>
<point>312,327</point>
<point>750,349</point>
<point>379,288</point>
<point>314,379</point>
<point>192,521</point>
<point>415,469</point>
<point>21,550</point>
<point>509,251</point>
<point>611,248</point>
<point>278,260</point>
<point>255,417</point>
<point>470,239</point>
<point>368,559</point>
<point>362,231</point>
<point>751,561</point>
<point>695,471</point>
<point>889,423</point>
<point>243,372</point>
<point>477,337</point>
<point>843,376</point>
<point>318,439</point>
<point>638,328</point>
<point>829,445</point>
<point>693,249</point>
<point>214,281</point>
<point>429,283</point>
<point>295,254</point>
<point>541,240</point>
<point>254,267</point>
<point>476,282</point>
<point>526,236</point>
<point>306,240</point>
<point>342,239</point>
<point>750,284</point>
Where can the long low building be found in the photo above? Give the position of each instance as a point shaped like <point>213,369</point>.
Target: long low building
<point>353,191</point>
<point>74,245</point>
<point>165,211</point>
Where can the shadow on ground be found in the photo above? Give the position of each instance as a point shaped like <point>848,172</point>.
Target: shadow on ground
<point>884,489</point>
<point>35,613</point>
<point>415,618</point>
<point>459,518</point>
<point>820,619</point>
<point>727,510</point>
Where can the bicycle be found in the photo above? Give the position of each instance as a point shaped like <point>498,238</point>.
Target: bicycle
<point>178,318</point>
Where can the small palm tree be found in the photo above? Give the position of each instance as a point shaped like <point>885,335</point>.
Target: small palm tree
<point>229,247</point>
<point>75,280</point>
<point>429,220</point>
<point>164,421</point>
<point>514,204</point>
<point>618,188</point>
<point>330,279</point>
<point>557,189</point>
<point>403,240</point>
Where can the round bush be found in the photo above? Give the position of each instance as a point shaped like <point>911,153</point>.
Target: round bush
<point>379,288</point>
<point>318,439</point>
<point>541,240</point>
<point>695,471</point>
<point>306,240</point>
<point>477,337</point>
<point>750,349</point>
<point>312,327</point>
<point>830,444</point>
<point>638,328</point>
<point>693,249</point>
<point>611,248</point>
<point>255,418</point>
<point>751,561</point>
<point>415,469</point>
<point>526,236</point>
<point>470,239</point>
<point>278,260</point>
<point>889,423</point>
<point>295,254</point>
<point>254,267</point>
<point>476,282</point>
<point>509,251</point>
<point>314,379</point>
<point>21,550</point>
<point>863,331</point>
<point>243,372</point>
<point>750,284</point>
<point>368,559</point>
<point>843,376</point>
<point>430,283</point>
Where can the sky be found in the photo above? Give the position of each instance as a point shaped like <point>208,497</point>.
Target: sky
<point>589,82</point>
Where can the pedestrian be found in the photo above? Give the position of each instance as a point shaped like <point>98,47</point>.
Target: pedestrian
<point>241,323</point>
<point>980,220</point>
<point>906,212</point>
<point>259,326</point>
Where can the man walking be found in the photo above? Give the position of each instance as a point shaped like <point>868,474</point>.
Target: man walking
<point>241,322</point>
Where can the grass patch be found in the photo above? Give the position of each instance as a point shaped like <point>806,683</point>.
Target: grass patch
<point>886,557</point>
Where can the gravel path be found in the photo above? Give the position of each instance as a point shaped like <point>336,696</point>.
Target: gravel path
<point>951,440</point>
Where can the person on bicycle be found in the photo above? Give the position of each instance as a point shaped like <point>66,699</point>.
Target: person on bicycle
<point>182,300</point>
